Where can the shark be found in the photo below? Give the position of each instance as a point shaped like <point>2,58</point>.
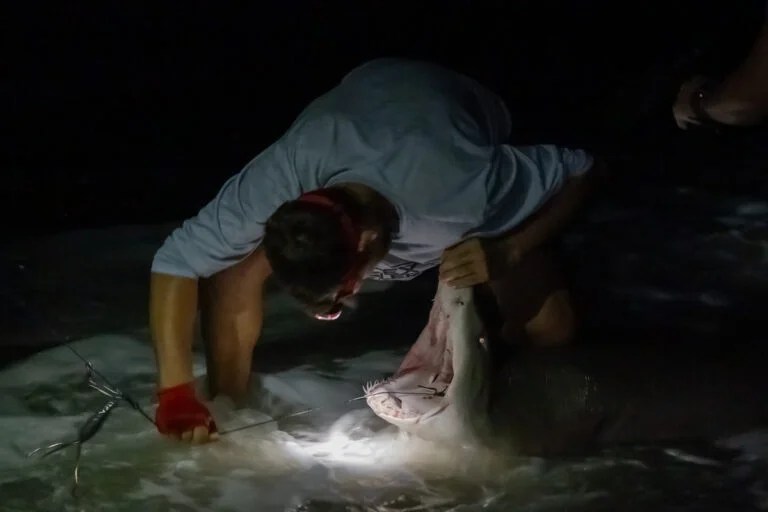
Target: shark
<point>456,386</point>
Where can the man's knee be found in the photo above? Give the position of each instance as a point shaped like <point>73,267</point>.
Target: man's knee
<point>534,302</point>
<point>554,324</point>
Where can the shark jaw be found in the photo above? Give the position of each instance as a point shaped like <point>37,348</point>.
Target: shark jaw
<point>439,391</point>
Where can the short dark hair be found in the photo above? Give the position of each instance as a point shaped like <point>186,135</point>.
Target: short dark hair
<point>307,248</point>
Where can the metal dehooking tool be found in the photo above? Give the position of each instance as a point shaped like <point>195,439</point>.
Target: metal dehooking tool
<point>95,421</point>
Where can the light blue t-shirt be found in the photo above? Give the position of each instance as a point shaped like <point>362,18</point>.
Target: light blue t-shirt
<point>432,141</point>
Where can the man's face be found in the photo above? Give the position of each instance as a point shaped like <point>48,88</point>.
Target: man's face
<point>370,251</point>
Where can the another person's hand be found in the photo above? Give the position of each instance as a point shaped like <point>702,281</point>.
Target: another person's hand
<point>473,261</point>
<point>682,109</point>
<point>181,415</point>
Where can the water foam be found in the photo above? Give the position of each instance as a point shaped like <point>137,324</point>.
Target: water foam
<point>337,457</point>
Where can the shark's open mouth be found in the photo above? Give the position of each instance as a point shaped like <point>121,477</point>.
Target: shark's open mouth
<point>419,388</point>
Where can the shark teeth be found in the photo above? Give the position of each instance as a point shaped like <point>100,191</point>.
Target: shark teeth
<point>368,386</point>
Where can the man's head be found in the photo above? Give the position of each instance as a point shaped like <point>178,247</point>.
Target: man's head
<point>321,245</point>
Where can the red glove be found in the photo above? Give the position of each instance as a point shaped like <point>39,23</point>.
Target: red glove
<point>179,411</point>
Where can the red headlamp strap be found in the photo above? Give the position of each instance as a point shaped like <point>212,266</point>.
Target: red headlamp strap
<point>349,229</point>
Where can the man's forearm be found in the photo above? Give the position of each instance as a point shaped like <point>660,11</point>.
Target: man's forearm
<point>742,98</point>
<point>232,314</point>
<point>727,106</point>
<point>553,217</point>
<point>172,313</point>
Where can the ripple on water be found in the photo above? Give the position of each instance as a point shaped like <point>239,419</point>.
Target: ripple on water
<point>340,459</point>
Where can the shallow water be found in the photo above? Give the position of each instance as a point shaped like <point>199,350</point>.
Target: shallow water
<point>648,264</point>
<point>337,458</point>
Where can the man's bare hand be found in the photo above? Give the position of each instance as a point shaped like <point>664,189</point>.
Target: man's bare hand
<point>682,110</point>
<point>465,264</point>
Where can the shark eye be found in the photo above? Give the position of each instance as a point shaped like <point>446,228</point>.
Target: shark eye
<point>459,302</point>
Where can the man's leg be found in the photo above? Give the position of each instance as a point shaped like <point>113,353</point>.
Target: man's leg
<point>534,303</point>
<point>231,317</point>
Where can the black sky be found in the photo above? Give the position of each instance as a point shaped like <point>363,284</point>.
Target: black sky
<point>131,112</point>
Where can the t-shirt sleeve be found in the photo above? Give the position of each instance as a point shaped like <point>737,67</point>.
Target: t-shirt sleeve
<point>533,174</point>
<point>231,226</point>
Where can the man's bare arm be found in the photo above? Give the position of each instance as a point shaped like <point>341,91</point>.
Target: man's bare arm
<point>172,313</point>
<point>233,312</point>
<point>546,223</point>
<point>742,98</point>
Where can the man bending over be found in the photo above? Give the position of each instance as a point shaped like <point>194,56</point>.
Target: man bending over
<point>402,167</point>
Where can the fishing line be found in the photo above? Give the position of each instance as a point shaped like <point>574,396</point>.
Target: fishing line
<point>431,393</point>
<point>100,383</point>
<point>112,391</point>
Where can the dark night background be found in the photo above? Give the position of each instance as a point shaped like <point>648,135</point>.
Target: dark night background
<point>129,116</point>
<point>131,112</point>
<point>121,114</point>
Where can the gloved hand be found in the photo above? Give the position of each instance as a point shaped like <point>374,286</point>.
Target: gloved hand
<point>181,415</point>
